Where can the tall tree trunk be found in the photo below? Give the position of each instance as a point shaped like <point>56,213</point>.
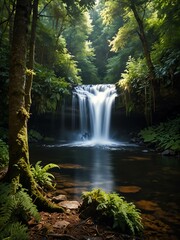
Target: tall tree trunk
<point>30,64</point>
<point>18,116</point>
<point>142,36</point>
<point>19,166</point>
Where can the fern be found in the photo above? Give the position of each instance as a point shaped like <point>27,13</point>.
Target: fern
<point>16,209</point>
<point>14,231</point>
<point>164,136</point>
<point>42,177</point>
<point>113,209</point>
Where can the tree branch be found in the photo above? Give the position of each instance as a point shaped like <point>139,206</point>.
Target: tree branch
<point>45,7</point>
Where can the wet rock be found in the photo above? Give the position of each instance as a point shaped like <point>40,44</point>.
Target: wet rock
<point>61,224</point>
<point>147,205</point>
<point>129,189</point>
<point>59,198</point>
<point>168,153</point>
<point>145,151</point>
<point>70,204</point>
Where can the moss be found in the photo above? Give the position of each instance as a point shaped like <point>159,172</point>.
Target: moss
<point>23,114</point>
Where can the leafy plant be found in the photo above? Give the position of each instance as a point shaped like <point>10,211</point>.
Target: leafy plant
<point>4,154</point>
<point>163,136</point>
<point>113,210</point>
<point>16,209</point>
<point>48,89</point>
<point>34,136</point>
<point>42,176</point>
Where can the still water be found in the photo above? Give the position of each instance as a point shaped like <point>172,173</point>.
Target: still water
<point>149,180</point>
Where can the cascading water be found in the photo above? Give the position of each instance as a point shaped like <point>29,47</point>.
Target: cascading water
<point>95,105</point>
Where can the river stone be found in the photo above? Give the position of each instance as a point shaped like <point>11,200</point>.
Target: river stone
<point>168,153</point>
<point>129,189</point>
<point>70,204</point>
<point>147,205</point>
<point>59,198</point>
<point>61,224</point>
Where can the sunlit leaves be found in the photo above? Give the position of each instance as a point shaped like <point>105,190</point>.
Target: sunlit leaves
<point>136,71</point>
<point>123,35</point>
<point>78,43</point>
<point>66,67</point>
<point>134,85</point>
<point>113,210</point>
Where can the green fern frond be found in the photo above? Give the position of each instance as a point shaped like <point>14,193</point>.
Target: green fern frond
<point>15,206</point>
<point>42,177</point>
<point>123,215</point>
<point>14,231</point>
<point>50,166</point>
<point>27,205</point>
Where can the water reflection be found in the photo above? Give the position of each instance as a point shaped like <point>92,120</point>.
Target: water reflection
<point>101,171</point>
<point>149,180</point>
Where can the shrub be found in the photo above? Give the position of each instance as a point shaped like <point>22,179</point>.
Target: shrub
<point>113,210</point>
<point>163,136</point>
<point>16,209</point>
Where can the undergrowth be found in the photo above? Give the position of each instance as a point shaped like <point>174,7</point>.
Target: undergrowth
<point>16,209</point>
<point>113,210</point>
<point>42,176</point>
<point>163,136</point>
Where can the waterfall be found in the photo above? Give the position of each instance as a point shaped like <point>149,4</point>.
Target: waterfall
<point>95,105</point>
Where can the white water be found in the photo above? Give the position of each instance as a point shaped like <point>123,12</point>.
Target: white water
<point>95,106</point>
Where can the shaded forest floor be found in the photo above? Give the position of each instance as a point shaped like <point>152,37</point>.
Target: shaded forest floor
<point>69,226</point>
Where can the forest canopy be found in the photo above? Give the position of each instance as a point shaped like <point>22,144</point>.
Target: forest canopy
<point>134,44</point>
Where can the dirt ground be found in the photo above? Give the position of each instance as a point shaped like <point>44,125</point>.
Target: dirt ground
<point>69,226</point>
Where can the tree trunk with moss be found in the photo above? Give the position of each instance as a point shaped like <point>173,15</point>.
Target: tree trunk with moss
<point>153,81</point>
<point>19,165</point>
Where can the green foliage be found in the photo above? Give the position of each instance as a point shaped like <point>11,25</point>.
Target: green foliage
<point>163,136</point>
<point>4,154</point>
<point>134,86</point>
<point>34,136</point>
<point>114,210</point>
<point>78,43</point>
<point>167,64</point>
<point>48,90</point>
<point>42,176</point>
<point>160,22</point>
<point>16,209</point>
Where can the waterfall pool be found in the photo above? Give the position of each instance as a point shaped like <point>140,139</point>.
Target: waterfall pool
<point>95,160</point>
<point>149,180</point>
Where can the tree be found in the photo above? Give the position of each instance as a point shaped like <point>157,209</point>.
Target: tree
<point>19,102</point>
<point>19,165</point>
<point>138,8</point>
